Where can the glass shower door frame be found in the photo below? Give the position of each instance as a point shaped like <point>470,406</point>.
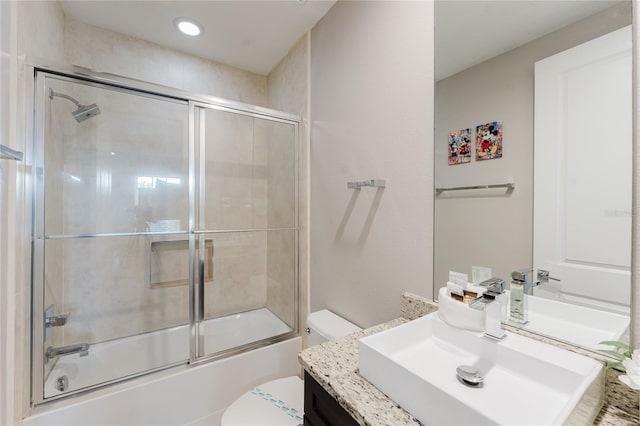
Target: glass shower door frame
<point>197,104</point>
<point>37,232</point>
<point>198,133</point>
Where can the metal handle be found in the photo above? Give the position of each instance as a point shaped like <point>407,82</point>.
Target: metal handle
<point>56,321</point>
<point>376,183</point>
<point>523,275</point>
<point>544,275</point>
<point>494,285</point>
<point>80,348</point>
<point>510,186</point>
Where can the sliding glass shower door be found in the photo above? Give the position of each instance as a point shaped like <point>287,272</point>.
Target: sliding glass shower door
<point>165,231</point>
<point>112,184</point>
<point>246,228</point>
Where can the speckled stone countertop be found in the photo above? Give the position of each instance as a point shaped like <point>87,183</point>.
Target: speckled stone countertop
<point>334,365</point>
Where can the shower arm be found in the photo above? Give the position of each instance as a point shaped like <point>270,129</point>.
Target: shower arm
<point>62,95</point>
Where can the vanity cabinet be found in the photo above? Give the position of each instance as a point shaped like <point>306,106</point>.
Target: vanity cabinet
<point>320,408</point>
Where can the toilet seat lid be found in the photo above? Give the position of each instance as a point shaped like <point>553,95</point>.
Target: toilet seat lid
<point>276,403</point>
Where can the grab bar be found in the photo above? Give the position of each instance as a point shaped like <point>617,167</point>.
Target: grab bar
<point>376,183</point>
<point>509,186</point>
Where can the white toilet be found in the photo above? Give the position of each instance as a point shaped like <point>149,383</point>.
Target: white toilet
<point>280,402</point>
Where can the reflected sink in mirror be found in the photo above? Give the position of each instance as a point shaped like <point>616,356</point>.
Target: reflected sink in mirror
<point>524,381</point>
<point>585,327</point>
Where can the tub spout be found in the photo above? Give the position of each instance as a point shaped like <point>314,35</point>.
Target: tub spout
<point>80,348</point>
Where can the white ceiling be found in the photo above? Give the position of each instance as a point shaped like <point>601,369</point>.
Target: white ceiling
<point>256,35</point>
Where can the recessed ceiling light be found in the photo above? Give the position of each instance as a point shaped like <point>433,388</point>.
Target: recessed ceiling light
<point>188,26</point>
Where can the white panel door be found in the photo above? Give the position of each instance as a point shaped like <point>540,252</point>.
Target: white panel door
<point>582,183</point>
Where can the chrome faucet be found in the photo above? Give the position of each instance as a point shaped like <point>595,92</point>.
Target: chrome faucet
<point>80,348</point>
<point>521,289</point>
<point>491,302</point>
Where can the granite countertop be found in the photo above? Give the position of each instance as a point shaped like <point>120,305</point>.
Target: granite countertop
<point>334,365</point>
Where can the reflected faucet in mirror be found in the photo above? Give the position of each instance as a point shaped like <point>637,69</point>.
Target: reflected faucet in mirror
<point>521,288</point>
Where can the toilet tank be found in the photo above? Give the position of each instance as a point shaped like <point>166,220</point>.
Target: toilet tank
<point>324,325</point>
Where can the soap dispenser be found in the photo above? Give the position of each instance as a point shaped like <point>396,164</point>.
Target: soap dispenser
<point>518,303</point>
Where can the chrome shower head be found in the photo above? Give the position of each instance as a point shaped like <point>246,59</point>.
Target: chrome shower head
<point>85,111</point>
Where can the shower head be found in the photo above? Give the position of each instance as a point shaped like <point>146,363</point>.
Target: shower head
<point>83,112</point>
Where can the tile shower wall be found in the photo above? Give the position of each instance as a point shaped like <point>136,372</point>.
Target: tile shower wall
<point>37,29</point>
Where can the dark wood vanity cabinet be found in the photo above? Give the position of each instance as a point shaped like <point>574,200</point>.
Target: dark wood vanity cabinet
<point>321,409</point>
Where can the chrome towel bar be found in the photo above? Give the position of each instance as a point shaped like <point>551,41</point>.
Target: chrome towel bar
<point>509,186</point>
<point>376,183</point>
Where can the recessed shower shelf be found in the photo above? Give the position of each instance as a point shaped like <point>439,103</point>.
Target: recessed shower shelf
<point>7,153</point>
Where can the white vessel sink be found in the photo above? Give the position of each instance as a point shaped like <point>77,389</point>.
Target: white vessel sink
<point>580,325</point>
<point>525,381</point>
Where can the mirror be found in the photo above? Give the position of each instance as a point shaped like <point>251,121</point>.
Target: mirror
<point>486,98</point>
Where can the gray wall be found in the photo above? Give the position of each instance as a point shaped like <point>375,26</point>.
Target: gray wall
<point>372,117</point>
<point>497,231</point>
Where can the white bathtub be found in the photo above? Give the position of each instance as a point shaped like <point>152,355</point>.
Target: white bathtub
<point>131,355</point>
<point>180,396</point>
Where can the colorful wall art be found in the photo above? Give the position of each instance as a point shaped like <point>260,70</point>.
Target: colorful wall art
<point>489,141</point>
<point>460,147</point>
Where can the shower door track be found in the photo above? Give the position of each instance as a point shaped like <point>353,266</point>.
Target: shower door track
<point>34,157</point>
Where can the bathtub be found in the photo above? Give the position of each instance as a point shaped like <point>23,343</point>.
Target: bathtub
<point>179,396</point>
